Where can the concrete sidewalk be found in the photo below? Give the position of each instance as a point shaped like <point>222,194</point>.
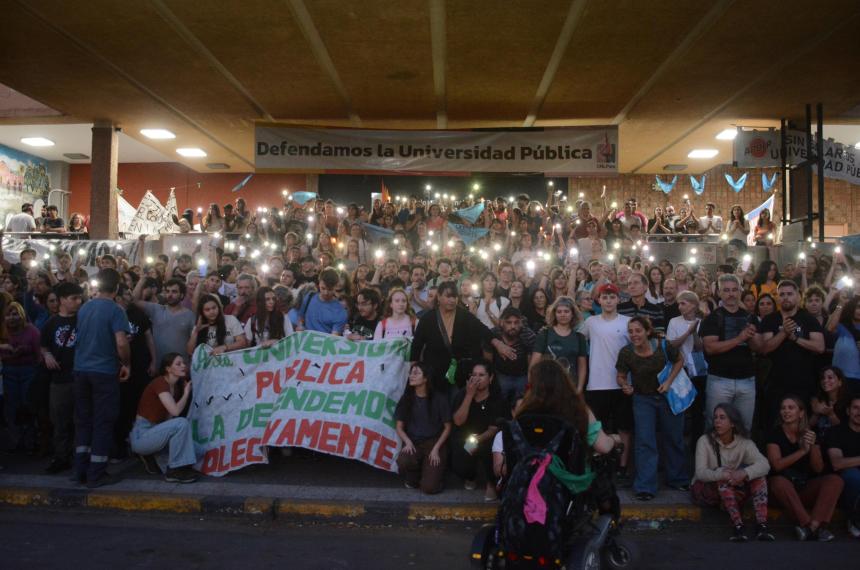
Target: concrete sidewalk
<point>303,487</point>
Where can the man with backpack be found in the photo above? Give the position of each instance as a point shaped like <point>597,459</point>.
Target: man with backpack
<point>726,334</point>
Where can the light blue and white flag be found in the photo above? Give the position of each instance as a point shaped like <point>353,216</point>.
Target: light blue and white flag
<point>666,187</point>
<point>467,234</point>
<point>698,187</point>
<point>472,213</point>
<point>738,184</point>
<point>767,184</point>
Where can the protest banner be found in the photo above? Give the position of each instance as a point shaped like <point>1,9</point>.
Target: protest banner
<point>574,150</point>
<point>312,390</point>
<point>148,217</point>
<point>85,250</point>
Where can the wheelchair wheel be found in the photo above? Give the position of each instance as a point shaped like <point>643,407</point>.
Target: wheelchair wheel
<point>482,555</point>
<point>621,554</point>
<point>584,556</point>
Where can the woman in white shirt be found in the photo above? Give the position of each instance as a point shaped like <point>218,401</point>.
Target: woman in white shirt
<point>221,332</point>
<point>490,306</point>
<point>268,325</point>
<point>682,332</point>
<point>399,318</point>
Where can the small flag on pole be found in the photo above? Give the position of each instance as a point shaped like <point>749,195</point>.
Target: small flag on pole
<point>241,184</point>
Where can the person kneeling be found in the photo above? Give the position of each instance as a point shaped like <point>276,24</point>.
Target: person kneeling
<point>158,426</point>
<point>423,424</point>
<point>729,469</point>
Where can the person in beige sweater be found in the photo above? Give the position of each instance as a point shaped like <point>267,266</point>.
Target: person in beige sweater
<point>729,470</point>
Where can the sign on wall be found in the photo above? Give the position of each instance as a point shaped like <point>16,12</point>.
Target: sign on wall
<point>760,149</point>
<point>311,390</point>
<point>574,150</point>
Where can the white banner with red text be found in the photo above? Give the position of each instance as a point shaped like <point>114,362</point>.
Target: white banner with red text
<point>311,390</point>
<point>563,150</point>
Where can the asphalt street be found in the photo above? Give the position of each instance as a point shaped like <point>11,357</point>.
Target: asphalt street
<point>50,539</point>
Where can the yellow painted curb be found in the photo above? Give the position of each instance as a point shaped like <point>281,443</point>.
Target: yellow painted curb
<point>452,512</point>
<point>671,512</point>
<point>317,509</point>
<point>25,497</point>
<point>143,502</point>
<point>258,506</point>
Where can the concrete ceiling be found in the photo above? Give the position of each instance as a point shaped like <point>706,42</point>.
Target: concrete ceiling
<point>670,73</point>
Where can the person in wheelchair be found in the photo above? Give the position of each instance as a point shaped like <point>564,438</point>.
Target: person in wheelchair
<point>551,477</point>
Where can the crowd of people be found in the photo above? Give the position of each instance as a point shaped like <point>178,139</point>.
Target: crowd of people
<point>773,352</point>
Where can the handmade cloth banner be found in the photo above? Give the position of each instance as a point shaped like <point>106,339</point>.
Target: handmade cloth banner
<point>376,233</point>
<point>472,213</point>
<point>311,390</point>
<point>301,198</point>
<point>170,211</point>
<point>125,213</point>
<point>467,234</point>
<point>86,250</point>
<point>148,217</point>
<point>767,183</point>
<point>760,149</point>
<point>698,187</point>
<point>575,150</point>
<point>753,215</point>
<point>666,187</point>
<point>737,185</point>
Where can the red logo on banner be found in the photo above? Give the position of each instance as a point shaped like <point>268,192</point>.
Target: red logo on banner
<point>758,147</point>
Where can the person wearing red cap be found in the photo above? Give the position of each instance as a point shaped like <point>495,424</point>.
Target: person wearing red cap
<point>607,333</point>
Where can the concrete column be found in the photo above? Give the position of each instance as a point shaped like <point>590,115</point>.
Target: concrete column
<point>103,209</point>
<point>312,183</point>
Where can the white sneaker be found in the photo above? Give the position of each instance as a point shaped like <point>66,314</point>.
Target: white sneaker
<point>853,529</point>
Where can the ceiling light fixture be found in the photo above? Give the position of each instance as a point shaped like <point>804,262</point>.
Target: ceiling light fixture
<point>857,145</point>
<point>727,135</point>
<point>76,156</point>
<point>703,153</point>
<point>160,134</point>
<point>37,141</point>
<point>675,167</point>
<point>217,165</point>
<point>191,152</point>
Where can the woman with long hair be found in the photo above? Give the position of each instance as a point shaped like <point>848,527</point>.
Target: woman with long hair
<point>766,279</point>
<point>435,220</point>
<point>683,277</point>
<point>729,470</point>
<point>490,305</point>
<point>738,227</point>
<point>424,426</point>
<point>213,222</point>
<point>654,294</point>
<point>352,258</point>
<point>829,404</point>
<point>764,306</point>
<point>398,320</point>
<point>517,296</point>
<point>161,436</point>
<point>797,472</point>
<point>20,353</point>
<point>764,229</point>
<point>222,333</point>
<point>559,340</point>
<point>642,362</point>
<point>76,224</point>
<point>537,309</point>
<point>269,324</point>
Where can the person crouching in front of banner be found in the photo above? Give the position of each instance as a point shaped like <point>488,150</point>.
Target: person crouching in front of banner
<point>158,428</point>
<point>424,425</point>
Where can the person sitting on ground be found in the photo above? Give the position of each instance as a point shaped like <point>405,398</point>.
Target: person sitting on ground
<point>843,443</point>
<point>796,478</point>
<point>424,425</point>
<point>160,430</point>
<point>730,469</point>
<point>477,410</point>
<point>829,405</point>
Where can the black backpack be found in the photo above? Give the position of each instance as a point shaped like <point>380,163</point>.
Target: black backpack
<point>517,538</point>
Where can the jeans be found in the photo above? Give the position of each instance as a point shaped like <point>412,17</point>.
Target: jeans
<point>739,392</point>
<point>96,410</point>
<point>171,438</point>
<point>513,387</point>
<point>851,493</point>
<point>16,404</point>
<point>649,411</point>
<point>62,410</point>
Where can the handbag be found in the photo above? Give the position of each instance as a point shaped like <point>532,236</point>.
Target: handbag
<point>682,392</point>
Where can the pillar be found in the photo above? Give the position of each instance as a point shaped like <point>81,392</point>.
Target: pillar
<point>103,208</point>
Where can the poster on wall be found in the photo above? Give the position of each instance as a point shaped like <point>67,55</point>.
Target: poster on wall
<point>760,149</point>
<point>23,178</point>
<point>566,150</point>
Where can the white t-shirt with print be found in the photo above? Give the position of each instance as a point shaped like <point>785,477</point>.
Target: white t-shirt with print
<point>234,330</point>
<point>262,336</point>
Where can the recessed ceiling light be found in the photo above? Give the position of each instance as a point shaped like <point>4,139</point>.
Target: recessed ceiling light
<point>76,156</point>
<point>703,153</point>
<point>157,134</point>
<point>191,152</point>
<point>675,167</point>
<point>857,145</point>
<point>37,141</point>
<point>217,165</point>
<point>727,134</point>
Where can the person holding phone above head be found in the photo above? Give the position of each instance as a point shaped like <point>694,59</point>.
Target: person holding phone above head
<point>159,430</point>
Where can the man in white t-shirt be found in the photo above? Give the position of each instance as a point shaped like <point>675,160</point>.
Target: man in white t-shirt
<point>23,221</point>
<point>607,335</point>
<point>710,223</point>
